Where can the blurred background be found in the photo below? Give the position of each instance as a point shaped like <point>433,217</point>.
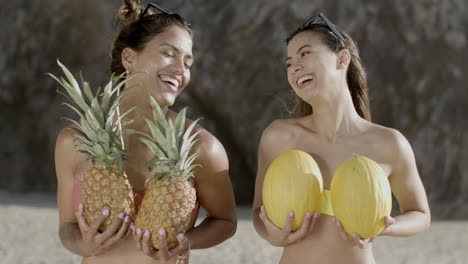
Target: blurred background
<point>414,53</point>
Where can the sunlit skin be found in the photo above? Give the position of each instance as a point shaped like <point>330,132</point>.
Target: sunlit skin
<point>162,70</point>
<point>331,135</point>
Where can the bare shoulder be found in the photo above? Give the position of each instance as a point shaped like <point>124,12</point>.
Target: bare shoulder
<point>392,143</point>
<point>389,136</point>
<point>279,130</point>
<point>67,157</point>
<point>65,140</point>
<point>278,137</point>
<point>210,151</point>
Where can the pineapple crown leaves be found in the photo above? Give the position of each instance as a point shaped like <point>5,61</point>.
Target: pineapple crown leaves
<point>98,132</point>
<point>170,144</point>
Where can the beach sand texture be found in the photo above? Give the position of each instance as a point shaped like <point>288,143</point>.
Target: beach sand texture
<point>29,225</point>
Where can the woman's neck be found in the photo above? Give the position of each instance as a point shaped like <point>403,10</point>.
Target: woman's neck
<point>143,108</point>
<point>334,117</point>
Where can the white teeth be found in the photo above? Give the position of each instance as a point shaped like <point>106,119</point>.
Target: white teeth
<point>303,79</point>
<point>173,81</point>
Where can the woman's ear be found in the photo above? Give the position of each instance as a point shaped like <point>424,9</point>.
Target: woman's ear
<point>128,59</point>
<point>344,58</point>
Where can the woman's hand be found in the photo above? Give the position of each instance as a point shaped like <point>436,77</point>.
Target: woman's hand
<point>143,240</point>
<point>354,237</point>
<point>283,237</point>
<point>94,242</point>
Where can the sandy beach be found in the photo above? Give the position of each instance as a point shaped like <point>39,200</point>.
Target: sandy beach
<point>29,236</point>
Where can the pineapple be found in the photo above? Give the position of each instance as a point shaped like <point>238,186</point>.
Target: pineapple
<point>171,195</point>
<point>100,138</point>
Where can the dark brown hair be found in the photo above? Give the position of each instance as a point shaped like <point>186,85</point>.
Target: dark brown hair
<point>137,32</point>
<point>355,76</point>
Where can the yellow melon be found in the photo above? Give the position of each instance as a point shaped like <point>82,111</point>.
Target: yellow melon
<point>361,196</point>
<point>293,182</point>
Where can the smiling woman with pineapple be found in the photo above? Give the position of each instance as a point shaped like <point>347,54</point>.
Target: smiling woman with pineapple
<point>131,165</point>
<point>325,176</point>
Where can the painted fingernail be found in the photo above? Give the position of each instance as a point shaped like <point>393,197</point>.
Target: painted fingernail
<point>147,233</point>
<point>132,227</point>
<point>291,214</point>
<point>105,212</point>
<point>80,206</point>
<point>127,218</point>
<point>308,215</point>
<point>138,231</point>
<point>162,232</point>
<point>121,216</point>
<point>180,237</point>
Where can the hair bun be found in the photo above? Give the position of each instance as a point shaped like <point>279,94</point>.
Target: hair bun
<point>129,12</point>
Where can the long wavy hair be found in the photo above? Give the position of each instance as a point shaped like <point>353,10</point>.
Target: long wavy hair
<point>356,76</point>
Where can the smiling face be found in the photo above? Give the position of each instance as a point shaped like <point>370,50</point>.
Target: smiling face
<point>164,65</point>
<point>313,69</point>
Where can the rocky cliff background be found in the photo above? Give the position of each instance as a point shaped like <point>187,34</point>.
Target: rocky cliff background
<point>414,52</point>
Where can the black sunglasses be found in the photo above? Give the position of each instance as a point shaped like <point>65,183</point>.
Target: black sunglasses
<point>163,10</point>
<point>327,22</point>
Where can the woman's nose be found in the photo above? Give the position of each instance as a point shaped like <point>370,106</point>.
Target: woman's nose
<point>179,67</point>
<point>295,67</point>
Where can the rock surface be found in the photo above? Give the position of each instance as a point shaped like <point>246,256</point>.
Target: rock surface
<point>414,52</point>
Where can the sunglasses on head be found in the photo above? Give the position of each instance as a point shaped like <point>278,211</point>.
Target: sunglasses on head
<point>163,10</point>
<point>328,23</point>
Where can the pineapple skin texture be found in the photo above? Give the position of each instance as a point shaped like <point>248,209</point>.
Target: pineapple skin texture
<point>168,204</point>
<point>105,187</point>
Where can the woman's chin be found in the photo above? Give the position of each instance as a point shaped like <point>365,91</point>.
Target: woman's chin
<point>165,99</point>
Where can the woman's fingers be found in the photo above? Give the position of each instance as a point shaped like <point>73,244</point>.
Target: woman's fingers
<point>303,230</point>
<point>263,215</point>
<point>315,217</point>
<point>266,221</point>
<point>358,241</point>
<point>183,247</point>
<point>146,245</point>
<point>389,220</point>
<point>82,223</point>
<point>289,223</point>
<point>94,228</point>
<point>129,231</point>
<point>137,234</point>
<point>121,232</point>
<point>111,230</point>
<point>340,229</point>
<point>354,237</point>
<point>124,227</point>
<point>163,251</point>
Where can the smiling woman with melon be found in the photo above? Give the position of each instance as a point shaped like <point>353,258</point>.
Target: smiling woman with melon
<point>325,176</point>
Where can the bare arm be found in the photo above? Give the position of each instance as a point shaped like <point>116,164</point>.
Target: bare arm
<point>409,191</point>
<point>273,143</point>
<point>74,232</point>
<point>215,194</point>
<point>263,163</point>
<point>65,163</point>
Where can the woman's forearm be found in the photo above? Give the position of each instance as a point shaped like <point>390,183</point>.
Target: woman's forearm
<point>408,224</point>
<point>211,232</point>
<point>70,237</point>
<point>259,226</point>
